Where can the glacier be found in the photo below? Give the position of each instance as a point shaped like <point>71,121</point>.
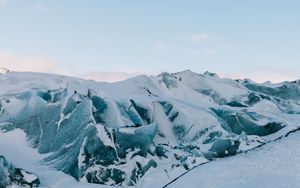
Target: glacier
<point>145,131</point>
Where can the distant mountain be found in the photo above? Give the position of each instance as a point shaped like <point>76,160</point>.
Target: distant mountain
<point>3,70</point>
<point>144,131</point>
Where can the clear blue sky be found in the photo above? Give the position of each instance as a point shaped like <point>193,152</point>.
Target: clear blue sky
<point>254,38</point>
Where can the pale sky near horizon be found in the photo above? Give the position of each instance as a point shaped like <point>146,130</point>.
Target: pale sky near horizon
<point>115,39</point>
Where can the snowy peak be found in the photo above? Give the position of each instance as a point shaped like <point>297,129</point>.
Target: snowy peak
<point>210,74</point>
<point>208,84</point>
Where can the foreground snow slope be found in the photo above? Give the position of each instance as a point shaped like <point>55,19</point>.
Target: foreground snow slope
<point>275,165</point>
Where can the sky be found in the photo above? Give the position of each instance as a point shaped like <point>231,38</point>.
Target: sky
<point>112,40</point>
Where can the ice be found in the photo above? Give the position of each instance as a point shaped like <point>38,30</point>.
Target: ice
<point>13,146</point>
<point>128,132</point>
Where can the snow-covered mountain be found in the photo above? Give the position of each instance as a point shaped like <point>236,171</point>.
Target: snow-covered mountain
<point>3,70</point>
<point>144,131</point>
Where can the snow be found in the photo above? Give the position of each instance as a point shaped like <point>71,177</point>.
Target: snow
<point>156,178</point>
<point>14,106</point>
<point>264,106</point>
<point>28,177</point>
<point>275,165</point>
<point>15,148</point>
<point>103,136</point>
<point>185,94</point>
<point>16,82</point>
<point>112,114</point>
<point>226,88</point>
<point>164,125</point>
